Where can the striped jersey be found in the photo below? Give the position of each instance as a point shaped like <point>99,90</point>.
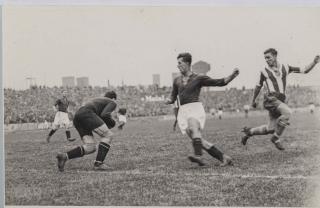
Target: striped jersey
<point>276,80</point>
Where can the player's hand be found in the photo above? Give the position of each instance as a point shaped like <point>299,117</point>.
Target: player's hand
<point>316,59</point>
<point>254,104</point>
<point>235,72</point>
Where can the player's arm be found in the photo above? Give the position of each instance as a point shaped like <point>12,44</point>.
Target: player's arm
<point>174,93</point>
<point>257,89</point>
<point>307,68</point>
<point>106,114</point>
<point>56,105</point>
<point>207,81</point>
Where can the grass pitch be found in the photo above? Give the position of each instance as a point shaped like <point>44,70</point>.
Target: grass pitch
<point>149,167</point>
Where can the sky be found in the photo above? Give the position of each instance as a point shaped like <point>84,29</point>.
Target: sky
<point>129,44</point>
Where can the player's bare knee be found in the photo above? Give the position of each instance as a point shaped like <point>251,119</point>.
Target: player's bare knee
<point>193,132</point>
<point>89,148</point>
<point>107,140</point>
<point>103,131</point>
<point>283,121</point>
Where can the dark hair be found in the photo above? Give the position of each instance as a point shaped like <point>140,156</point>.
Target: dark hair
<point>111,95</point>
<point>272,51</point>
<point>186,57</point>
<point>122,111</point>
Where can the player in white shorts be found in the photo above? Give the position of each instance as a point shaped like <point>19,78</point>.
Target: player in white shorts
<point>61,118</point>
<point>122,118</point>
<point>191,115</point>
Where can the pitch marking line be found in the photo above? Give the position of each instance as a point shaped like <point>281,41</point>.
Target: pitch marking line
<point>179,174</point>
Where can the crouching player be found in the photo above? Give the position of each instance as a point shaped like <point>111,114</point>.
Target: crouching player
<point>94,116</point>
<point>122,118</point>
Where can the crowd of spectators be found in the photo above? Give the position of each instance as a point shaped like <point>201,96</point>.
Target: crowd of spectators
<point>35,105</point>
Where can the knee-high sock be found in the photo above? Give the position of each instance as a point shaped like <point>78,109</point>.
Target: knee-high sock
<point>215,152</point>
<point>279,130</point>
<point>68,134</point>
<point>52,132</point>
<point>103,150</point>
<point>76,152</point>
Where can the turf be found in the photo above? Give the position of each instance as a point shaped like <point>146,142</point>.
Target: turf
<point>149,167</point>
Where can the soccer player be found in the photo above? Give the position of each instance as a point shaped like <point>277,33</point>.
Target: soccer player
<point>220,112</point>
<point>122,118</point>
<point>246,110</point>
<point>274,78</point>
<point>94,116</point>
<point>61,118</point>
<point>311,107</point>
<point>191,115</point>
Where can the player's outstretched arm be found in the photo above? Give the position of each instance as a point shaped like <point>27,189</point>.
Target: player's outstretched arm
<point>255,95</point>
<point>309,67</point>
<point>234,74</point>
<point>206,81</point>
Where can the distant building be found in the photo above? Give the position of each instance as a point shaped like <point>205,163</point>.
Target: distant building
<point>83,81</point>
<point>201,67</point>
<point>68,81</point>
<point>156,79</point>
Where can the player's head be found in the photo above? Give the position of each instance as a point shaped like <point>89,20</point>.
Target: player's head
<point>64,93</point>
<point>111,95</point>
<point>270,55</point>
<point>184,62</point>
<point>122,111</point>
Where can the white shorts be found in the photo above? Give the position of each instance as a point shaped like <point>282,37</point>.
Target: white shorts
<point>122,118</point>
<point>191,110</point>
<point>61,119</point>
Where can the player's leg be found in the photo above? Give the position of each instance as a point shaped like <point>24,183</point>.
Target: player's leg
<point>106,137</point>
<point>194,133</point>
<point>88,147</point>
<point>55,126</point>
<point>259,130</point>
<point>67,124</point>
<point>216,153</point>
<point>281,123</point>
<point>199,143</point>
<point>82,122</point>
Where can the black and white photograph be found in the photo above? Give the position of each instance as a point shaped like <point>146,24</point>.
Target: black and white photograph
<point>211,104</point>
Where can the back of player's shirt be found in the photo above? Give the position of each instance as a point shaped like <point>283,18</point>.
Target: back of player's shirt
<point>97,105</point>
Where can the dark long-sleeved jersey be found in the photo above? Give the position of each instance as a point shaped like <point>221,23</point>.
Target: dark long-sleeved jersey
<point>103,107</point>
<point>62,104</point>
<point>189,92</point>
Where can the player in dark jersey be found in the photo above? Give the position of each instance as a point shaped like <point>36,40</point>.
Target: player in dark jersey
<point>94,116</point>
<point>61,118</point>
<point>191,116</point>
<point>274,78</point>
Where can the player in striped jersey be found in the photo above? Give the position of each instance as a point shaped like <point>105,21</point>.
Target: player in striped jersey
<point>274,78</point>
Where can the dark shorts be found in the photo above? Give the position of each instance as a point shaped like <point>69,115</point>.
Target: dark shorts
<point>272,101</point>
<point>85,121</point>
